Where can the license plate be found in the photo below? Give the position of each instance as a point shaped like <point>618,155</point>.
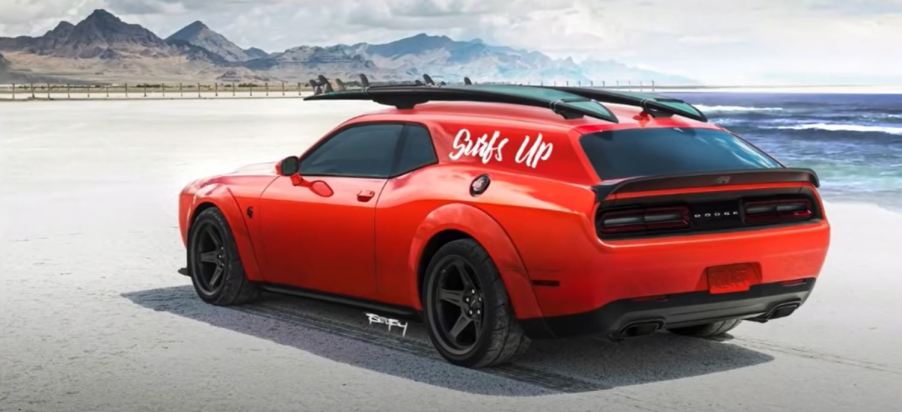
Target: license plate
<point>732,278</point>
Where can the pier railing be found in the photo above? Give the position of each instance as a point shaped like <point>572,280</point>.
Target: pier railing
<point>215,90</point>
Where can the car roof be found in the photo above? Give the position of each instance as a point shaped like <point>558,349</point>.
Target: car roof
<point>628,117</point>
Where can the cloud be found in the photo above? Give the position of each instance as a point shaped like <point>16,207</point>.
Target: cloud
<point>716,41</point>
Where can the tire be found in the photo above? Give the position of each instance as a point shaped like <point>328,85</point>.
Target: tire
<point>213,262</point>
<point>467,310</point>
<point>708,330</point>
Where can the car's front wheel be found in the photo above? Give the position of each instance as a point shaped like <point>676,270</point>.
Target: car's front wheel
<point>470,319</point>
<point>213,262</point>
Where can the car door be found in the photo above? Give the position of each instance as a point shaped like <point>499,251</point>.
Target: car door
<point>407,198</point>
<point>319,235</point>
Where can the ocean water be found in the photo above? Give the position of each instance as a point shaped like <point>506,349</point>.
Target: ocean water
<point>853,141</point>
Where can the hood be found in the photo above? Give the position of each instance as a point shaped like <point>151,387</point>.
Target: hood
<point>257,169</point>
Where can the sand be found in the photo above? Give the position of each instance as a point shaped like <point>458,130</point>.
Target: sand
<point>94,315</point>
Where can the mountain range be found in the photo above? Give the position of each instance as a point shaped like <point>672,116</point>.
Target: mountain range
<point>199,35</point>
<point>103,48</point>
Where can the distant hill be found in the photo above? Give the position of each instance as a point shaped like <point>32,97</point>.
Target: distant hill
<point>100,35</point>
<point>445,58</point>
<point>7,75</point>
<point>255,53</point>
<point>104,48</point>
<point>199,35</point>
<point>437,54</point>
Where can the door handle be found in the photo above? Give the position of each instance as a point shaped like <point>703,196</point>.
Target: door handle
<point>365,195</point>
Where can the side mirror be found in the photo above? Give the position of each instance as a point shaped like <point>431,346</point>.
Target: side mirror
<point>289,166</point>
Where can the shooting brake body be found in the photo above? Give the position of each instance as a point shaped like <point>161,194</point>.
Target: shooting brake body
<point>500,214</point>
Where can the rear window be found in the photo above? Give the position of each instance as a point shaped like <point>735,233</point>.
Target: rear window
<point>666,151</point>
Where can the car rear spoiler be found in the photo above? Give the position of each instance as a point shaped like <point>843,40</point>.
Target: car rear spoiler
<point>735,177</point>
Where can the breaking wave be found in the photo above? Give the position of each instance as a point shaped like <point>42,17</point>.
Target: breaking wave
<point>720,108</point>
<point>844,128</point>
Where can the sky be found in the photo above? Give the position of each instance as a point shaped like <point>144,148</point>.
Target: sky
<point>716,42</point>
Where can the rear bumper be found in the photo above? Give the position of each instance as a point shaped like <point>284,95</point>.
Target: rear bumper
<point>760,303</point>
<point>595,275</point>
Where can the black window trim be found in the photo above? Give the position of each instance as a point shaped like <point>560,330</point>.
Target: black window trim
<point>396,154</point>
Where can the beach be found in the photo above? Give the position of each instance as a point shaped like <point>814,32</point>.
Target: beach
<point>95,315</point>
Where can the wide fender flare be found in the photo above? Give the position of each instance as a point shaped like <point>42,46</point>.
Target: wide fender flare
<point>222,198</point>
<point>492,237</point>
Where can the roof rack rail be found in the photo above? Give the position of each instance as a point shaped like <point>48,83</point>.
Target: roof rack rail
<point>654,105</point>
<point>565,103</point>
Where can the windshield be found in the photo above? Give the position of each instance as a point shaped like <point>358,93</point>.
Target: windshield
<point>667,151</point>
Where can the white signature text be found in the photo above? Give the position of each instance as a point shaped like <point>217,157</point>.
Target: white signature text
<point>491,148</point>
<point>377,319</point>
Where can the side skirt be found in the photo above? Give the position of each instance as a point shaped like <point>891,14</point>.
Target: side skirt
<point>400,311</point>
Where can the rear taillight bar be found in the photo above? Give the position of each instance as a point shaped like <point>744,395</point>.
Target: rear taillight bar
<point>636,220</point>
<point>780,210</point>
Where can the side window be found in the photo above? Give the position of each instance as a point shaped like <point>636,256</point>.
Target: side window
<point>359,151</point>
<point>416,149</point>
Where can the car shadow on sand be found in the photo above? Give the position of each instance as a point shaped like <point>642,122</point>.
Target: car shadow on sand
<point>344,335</point>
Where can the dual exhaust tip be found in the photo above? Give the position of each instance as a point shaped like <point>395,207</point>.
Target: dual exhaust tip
<point>780,311</point>
<point>640,328</point>
<point>650,326</point>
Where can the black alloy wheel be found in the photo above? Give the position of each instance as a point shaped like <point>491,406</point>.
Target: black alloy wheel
<point>460,305</point>
<point>209,267</point>
<point>468,313</point>
<point>213,261</point>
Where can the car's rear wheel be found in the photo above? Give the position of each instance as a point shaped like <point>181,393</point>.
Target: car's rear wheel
<point>708,330</point>
<point>470,319</point>
<point>213,262</point>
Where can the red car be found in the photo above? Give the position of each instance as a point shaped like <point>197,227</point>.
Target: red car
<point>502,213</point>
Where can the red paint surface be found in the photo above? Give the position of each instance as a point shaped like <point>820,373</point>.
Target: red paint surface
<point>365,237</point>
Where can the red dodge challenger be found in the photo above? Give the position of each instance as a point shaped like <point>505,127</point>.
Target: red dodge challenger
<point>502,213</point>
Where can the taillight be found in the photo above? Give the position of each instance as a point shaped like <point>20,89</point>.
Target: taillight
<point>775,211</point>
<point>636,220</point>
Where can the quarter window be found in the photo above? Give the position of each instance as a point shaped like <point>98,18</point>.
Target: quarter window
<point>416,149</point>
